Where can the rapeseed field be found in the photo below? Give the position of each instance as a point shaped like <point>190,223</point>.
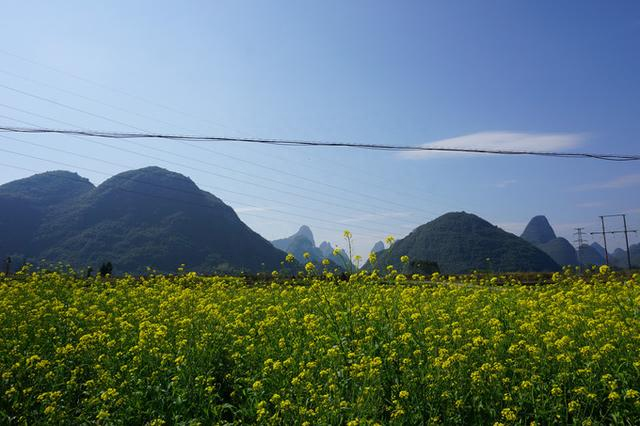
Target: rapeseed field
<point>189,349</point>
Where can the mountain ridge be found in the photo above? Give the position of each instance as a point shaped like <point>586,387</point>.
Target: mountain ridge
<point>144,217</point>
<point>538,231</point>
<point>461,242</point>
<point>302,241</point>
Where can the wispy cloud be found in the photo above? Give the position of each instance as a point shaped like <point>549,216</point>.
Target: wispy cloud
<point>501,140</point>
<point>625,181</point>
<point>374,216</point>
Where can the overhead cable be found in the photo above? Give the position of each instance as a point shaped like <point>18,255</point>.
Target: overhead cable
<point>291,142</point>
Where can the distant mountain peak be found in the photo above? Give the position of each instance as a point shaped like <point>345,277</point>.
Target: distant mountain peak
<point>590,256</point>
<point>150,180</point>
<point>300,243</point>
<point>619,257</point>
<point>48,187</point>
<point>538,231</point>
<point>377,247</point>
<point>326,248</point>
<point>460,242</point>
<point>47,177</point>
<point>302,238</point>
<point>560,250</point>
<point>138,218</point>
<point>597,247</point>
<point>303,242</point>
<point>305,231</point>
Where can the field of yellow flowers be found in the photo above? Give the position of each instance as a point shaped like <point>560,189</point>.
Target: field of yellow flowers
<point>192,350</point>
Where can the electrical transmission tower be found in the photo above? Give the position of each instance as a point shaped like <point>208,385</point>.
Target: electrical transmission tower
<point>580,242</point>
<point>624,231</point>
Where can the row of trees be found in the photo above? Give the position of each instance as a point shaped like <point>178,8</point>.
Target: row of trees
<point>105,269</point>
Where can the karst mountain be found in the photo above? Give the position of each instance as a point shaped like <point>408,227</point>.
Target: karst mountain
<point>149,217</point>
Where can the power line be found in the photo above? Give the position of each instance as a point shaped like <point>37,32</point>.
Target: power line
<point>166,187</point>
<point>208,187</point>
<point>164,196</point>
<point>608,157</point>
<point>158,196</point>
<point>113,89</point>
<point>285,142</point>
<point>213,188</point>
<point>208,121</point>
<point>136,97</point>
<point>121,109</point>
<point>350,202</point>
<point>351,192</point>
<point>69,107</point>
<point>84,97</point>
<point>624,231</point>
<point>288,184</point>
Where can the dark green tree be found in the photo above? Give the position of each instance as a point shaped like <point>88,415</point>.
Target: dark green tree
<point>106,269</point>
<point>423,267</point>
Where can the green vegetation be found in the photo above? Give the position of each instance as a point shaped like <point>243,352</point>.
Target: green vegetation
<point>461,243</point>
<point>147,217</point>
<point>155,218</point>
<point>188,349</point>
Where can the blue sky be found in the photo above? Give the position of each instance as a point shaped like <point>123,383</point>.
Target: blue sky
<point>541,75</point>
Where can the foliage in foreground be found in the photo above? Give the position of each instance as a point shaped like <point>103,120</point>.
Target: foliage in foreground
<point>202,350</point>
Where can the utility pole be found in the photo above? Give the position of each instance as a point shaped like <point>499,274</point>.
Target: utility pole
<point>580,242</point>
<point>625,231</point>
<point>626,239</point>
<point>604,236</point>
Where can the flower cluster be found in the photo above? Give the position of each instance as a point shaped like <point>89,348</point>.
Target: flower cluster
<point>189,349</point>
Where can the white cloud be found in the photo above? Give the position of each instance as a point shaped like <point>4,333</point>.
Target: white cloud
<point>625,181</point>
<point>500,140</point>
